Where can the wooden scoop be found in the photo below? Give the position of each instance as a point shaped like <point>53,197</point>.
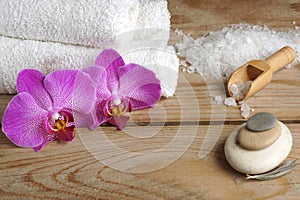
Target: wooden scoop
<point>260,71</point>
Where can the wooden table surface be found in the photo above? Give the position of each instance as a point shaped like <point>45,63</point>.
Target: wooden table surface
<point>71,171</point>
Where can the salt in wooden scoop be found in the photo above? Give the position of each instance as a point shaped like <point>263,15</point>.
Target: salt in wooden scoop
<point>256,74</point>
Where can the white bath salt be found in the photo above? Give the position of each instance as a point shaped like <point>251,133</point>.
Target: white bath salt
<point>221,52</point>
<point>183,63</point>
<point>218,99</point>
<point>190,69</point>
<point>179,32</point>
<point>245,107</point>
<point>230,102</point>
<point>252,109</point>
<point>245,110</point>
<point>234,89</point>
<point>240,89</point>
<point>241,102</point>
<point>245,114</point>
<point>288,66</point>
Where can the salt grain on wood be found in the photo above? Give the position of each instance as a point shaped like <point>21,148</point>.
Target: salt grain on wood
<point>245,110</point>
<point>218,99</point>
<point>230,102</point>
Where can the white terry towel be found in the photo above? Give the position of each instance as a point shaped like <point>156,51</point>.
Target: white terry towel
<point>82,22</point>
<point>146,44</point>
<point>17,54</point>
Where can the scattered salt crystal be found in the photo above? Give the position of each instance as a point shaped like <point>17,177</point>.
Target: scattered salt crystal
<point>218,99</point>
<point>245,110</point>
<point>230,102</point>
<point>245,114</point>
<point>178,31</point>
<point>293,22</point>
<point>241,102</point>
<point>183,63</point>
<point>245,107</point>
<point>190,69</point>
<point>252,109</point>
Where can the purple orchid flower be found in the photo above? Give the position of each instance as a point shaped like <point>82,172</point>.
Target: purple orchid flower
<point>120,89</point>
<point>48,108</point>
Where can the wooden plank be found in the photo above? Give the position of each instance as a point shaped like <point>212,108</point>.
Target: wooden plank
<point>64,171</point>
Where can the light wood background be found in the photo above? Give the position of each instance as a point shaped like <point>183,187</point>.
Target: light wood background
<point>69,171</point>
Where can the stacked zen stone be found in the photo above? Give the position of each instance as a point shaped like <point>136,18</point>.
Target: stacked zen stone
<point>259,145</point>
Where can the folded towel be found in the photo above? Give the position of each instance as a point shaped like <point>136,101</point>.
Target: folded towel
<point>82,22</point>
<point>75,31</point>
<point>17,54</point>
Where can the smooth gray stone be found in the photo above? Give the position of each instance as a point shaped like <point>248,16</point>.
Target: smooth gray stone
<point>261,122</point>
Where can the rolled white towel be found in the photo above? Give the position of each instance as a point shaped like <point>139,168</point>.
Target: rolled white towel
<point>17,54</point>
<point>81,22</point>
<point>85,22</point>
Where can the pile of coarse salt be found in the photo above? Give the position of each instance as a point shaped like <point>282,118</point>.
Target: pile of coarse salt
<point>219,53</point>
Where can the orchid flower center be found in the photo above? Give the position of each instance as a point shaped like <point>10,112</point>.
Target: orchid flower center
<point>117,107</point>
<point>59,121</point>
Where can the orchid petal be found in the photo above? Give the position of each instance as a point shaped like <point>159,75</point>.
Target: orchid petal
<point>47,139</point>
<point>24,122</point>
<point>60,85</point>
<point>119,121</point>
<point>66,135</point>
<point>98,75</point>
<point>111,60</point>
<point>101,112</point>
<point>145,97</point>
<point>86,120</point>
<point>84,94</point>
<point>139,85</point>
<point>109,57</point>
<point>96,117</point>
<point>32,82</point>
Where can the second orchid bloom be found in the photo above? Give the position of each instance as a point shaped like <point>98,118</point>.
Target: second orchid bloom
<point>120,89</point>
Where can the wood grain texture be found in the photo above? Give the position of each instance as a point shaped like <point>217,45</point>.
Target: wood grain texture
<point>70,171</point>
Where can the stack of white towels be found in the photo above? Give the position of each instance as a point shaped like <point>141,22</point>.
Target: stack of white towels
<point>69,34</point>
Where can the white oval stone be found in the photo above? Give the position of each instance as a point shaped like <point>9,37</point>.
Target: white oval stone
<point>258,161</point>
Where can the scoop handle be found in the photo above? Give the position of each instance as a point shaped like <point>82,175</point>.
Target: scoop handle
<point>281,58</point>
